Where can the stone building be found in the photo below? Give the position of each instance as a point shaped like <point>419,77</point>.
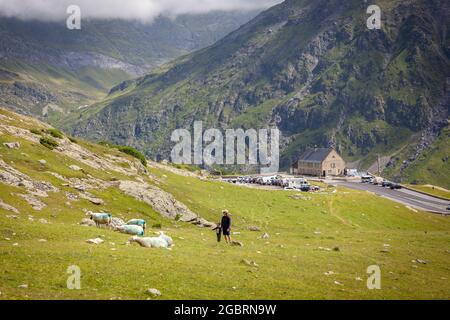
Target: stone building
<point>319,162</point>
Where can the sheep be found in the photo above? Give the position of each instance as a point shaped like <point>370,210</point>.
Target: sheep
<point>162,241</point>
<point>166,238</point>
<point>133,230</point>
<point>137,222</point>
<point>100,218</point>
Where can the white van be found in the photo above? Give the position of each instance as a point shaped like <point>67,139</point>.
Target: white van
<point>296,183</point>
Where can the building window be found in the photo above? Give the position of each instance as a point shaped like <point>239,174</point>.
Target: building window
<point>333,165</point>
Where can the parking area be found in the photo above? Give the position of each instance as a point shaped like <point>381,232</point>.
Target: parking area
<point>274,183</point>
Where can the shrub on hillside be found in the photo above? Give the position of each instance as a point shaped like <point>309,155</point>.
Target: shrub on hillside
<point>36,131</point>
<point>73,140</point>
<point>49,143</point>
<point>55,133</point>
<point>134,153</point>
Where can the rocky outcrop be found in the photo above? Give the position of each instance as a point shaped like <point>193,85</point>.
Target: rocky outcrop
<point>13,177</point>
<point>161,201</point>
<point>8,207</point>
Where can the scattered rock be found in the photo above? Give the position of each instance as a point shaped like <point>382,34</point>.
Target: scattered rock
<point>265,236</point>
<point>12,145</point>
<point>42,240</point>
<point>95,241</point>
<point>43,162</point>
<point>254,228</point>
<point>329,273</point>
<point>92,199</point>
<point>7,207</point>
<point>154,292</point>
<point>43,221</point>
<point>23,286</point>
<point>323,249</point>
<point>249,263</point>
<point>35,203</point>
<point>75,168</point>
<point>116,222</point>
<point>87,223</point>
<point>421,261</point>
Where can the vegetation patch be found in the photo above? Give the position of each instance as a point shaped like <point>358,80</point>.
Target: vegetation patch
<point>127,150</point>
<point>55,133</point>
<point>49,143</point>
<point>36,131</point>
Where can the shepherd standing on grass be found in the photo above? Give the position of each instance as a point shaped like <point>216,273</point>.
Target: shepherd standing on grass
<point>226,226</point>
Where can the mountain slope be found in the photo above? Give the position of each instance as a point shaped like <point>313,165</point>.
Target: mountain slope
<point>47,70</point>
<point>311,68</point>
<point>44,195</point>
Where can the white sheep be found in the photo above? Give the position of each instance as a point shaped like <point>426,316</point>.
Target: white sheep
<point>166,238</point>
<point>100,218</point>
<point>162,241</point>
<point>133,230</point>
<point>137,222</point>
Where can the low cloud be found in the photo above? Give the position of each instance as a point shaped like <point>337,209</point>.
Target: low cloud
<point>142,10</point>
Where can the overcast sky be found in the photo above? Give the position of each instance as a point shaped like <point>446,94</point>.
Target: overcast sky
<point>143,10</point>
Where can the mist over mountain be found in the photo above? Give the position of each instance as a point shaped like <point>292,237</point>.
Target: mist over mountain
<point>47,70</point>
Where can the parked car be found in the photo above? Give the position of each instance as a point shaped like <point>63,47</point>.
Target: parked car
<point>377,181</point>
<point>305,188</point>
<point>395,186</point>
<point>387,184</point>
<point>366,179</point>
<point>448,207</point>
<point>296,183</point>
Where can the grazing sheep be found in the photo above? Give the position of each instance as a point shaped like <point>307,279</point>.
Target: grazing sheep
<point>133,230</point>
<point>100,218</point>
<point>137,222</point>
<point>162,241</point>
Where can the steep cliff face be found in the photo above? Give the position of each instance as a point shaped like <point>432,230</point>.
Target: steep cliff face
<point>49,71</point>
<point>311,68</point>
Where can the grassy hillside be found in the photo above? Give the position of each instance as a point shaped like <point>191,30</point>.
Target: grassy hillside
<point>339,230</point>
<point>431,167</point>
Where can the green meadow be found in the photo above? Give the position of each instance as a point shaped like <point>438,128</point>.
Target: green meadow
<point>319,247</point>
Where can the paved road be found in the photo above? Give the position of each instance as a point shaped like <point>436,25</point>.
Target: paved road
<point>404,196</point>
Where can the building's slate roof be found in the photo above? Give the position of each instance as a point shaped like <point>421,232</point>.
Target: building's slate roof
<point>315,155</point>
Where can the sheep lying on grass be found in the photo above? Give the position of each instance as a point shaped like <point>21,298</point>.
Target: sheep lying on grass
<point>100,218</point>
<point>137,222</point>
<point>133,230</point>
<point>162,241</point>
